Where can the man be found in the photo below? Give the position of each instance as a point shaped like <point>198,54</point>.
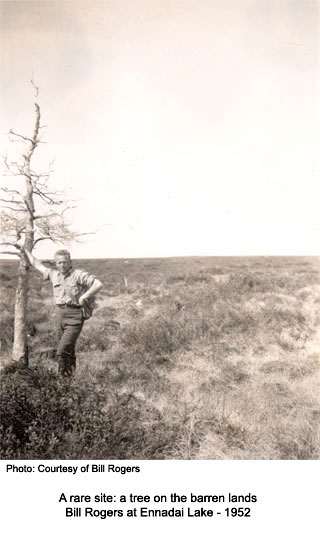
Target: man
<point>71,290</point>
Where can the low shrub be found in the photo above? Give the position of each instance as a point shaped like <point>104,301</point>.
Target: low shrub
<point>41,409</point>
<point>45,416</point>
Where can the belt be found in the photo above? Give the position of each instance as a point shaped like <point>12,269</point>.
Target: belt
<point>69,305</point>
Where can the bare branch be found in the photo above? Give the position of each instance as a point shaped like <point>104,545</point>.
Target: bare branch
<point>39,175</point>
<point>41,238</point>
<point>8,220</point>
<point>68,208</point>
<point>15,244</point>
<point>18,174</point>
<point>10,191</point>
<point>5,159</point>
<point>52,163</point>
<point>82,234</point>
<point>12,167</point>
<point>10,201</point>
<point>14,140</point>
<point>13,209</point>
<point>47,193</point>
<point>46,216</point>
<point>34,86</point>
<point>11,132</point>
<point>47,199</point>
<point>10,253</point>
<point>54,214</point>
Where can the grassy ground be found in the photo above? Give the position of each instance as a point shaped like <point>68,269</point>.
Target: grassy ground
<point>185,358</point>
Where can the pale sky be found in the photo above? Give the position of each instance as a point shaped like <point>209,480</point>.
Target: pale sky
<point>190,126</point>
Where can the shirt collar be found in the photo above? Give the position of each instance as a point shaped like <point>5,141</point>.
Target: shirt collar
<point>67,274</point>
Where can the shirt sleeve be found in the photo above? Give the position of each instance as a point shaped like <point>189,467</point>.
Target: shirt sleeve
<point>47,274</point>
<point>85,278</point>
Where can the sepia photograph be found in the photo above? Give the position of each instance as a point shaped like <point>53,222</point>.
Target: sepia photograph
<point>160,235</point>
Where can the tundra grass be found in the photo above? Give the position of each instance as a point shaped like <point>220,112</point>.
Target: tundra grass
<point>184,358</point>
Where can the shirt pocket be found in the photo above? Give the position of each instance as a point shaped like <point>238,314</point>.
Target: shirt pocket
<point>73,289</point>
<point>57,289</point>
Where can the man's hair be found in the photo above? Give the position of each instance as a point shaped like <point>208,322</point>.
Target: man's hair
<point>65,253</point>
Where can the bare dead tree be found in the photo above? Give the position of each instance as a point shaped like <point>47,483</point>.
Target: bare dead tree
<point>31,212</point>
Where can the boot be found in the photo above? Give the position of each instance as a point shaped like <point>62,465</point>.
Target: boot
<point>65,368</point>
<point>72,364</point>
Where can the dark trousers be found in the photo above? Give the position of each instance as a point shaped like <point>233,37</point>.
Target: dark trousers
<point>69,326</point>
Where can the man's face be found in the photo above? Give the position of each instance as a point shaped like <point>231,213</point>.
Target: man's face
<point>63,263</point>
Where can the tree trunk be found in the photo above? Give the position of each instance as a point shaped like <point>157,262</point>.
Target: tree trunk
<point>20,344</point>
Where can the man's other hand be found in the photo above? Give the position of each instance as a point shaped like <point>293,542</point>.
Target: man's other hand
<point>82,301</point>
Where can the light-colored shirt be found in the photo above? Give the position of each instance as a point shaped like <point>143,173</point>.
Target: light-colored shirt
<point>76,282</point>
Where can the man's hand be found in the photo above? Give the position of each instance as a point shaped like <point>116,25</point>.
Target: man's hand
<point>82,301</point>
<point>93,290</point>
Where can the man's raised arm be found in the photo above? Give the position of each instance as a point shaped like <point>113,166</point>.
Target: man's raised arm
<point>35,262</point>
